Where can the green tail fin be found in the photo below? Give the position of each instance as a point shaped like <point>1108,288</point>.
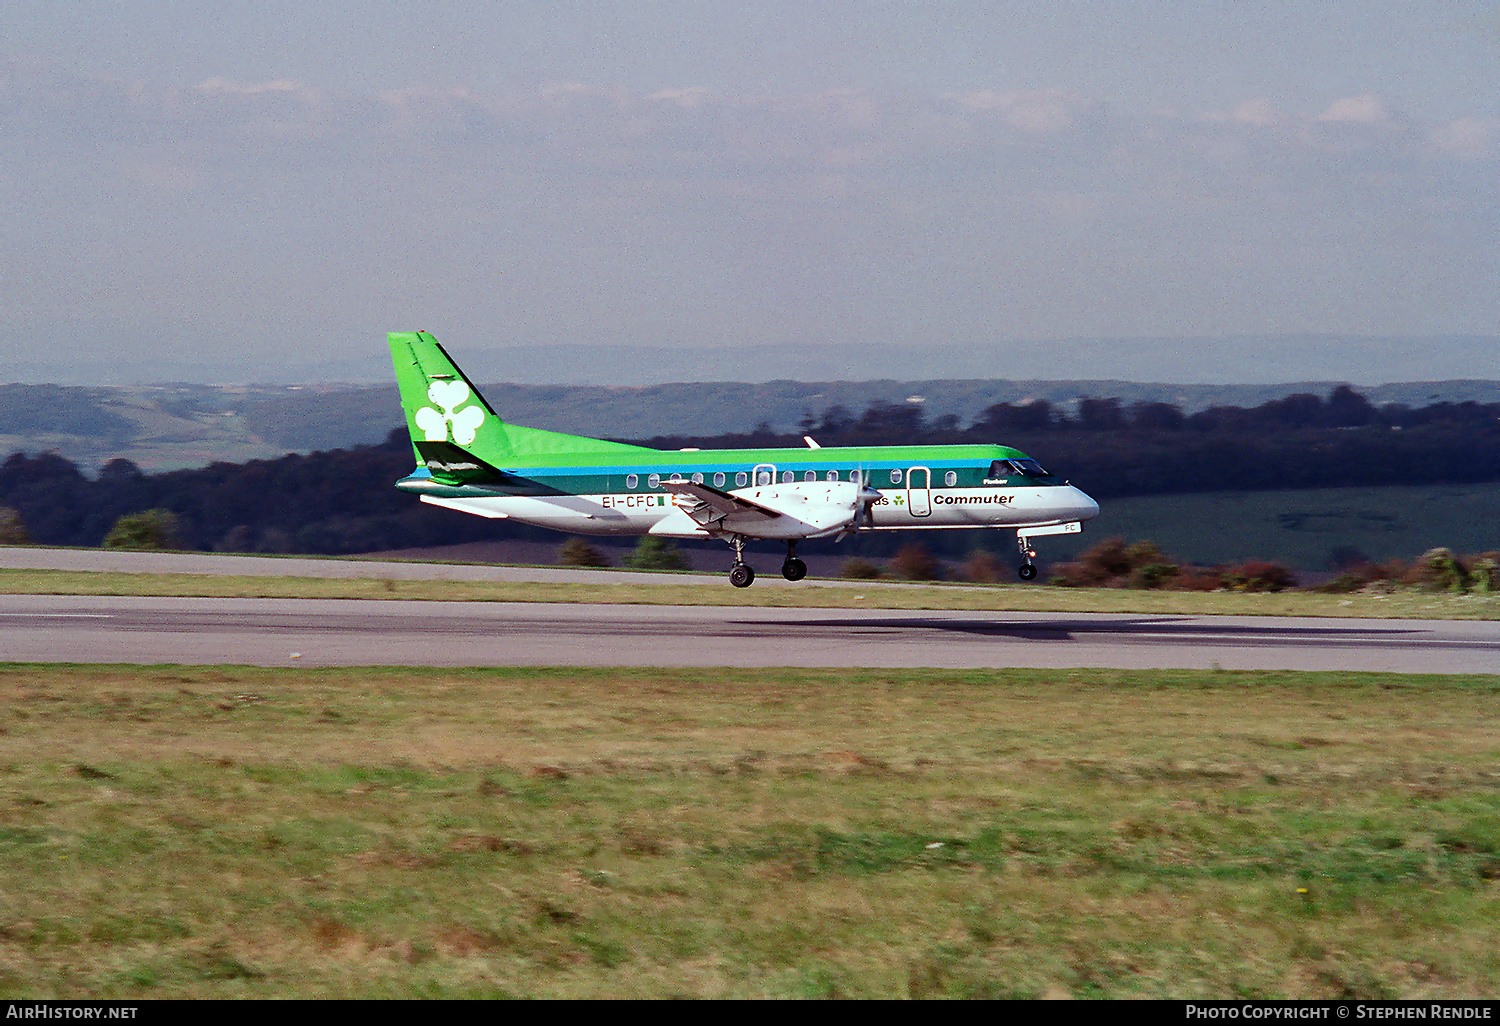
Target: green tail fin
<point>449,419</point>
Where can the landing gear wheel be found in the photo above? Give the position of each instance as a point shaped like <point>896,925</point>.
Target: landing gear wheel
<point>794,569</point>
<point>741,576</point>
<point>1027,571</point>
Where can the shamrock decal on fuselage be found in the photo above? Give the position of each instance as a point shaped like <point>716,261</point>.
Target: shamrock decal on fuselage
<point>448,396</point>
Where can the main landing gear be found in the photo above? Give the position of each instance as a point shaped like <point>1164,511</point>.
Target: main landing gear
<point>741,575</point>
<point>793,569</point>
<point>1027,569</point>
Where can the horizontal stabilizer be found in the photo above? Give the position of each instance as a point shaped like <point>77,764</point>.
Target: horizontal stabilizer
<point>478,507</point>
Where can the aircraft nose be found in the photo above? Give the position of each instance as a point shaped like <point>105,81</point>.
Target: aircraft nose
<point>1085,508</point>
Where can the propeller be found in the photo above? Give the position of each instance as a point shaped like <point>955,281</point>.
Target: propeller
<point>864,503</point>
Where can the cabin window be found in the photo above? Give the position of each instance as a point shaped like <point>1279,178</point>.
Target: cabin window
<point>763,477</point>
<point>697,479</point>
<point>950,479</point>
<point>654,480</point>
<point>832,475</point>
<point>719,480</point>
<point>631,480</point>
<point>676,479</point>
<point>810,475</point>
<point>895,477</point>
<point>787,477</point>
<point>741,479</point>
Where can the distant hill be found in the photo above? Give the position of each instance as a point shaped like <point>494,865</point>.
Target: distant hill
<point>171,426</point>
<point>331,355</point>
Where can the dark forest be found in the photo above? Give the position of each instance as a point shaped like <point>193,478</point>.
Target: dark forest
<point>341,501</point>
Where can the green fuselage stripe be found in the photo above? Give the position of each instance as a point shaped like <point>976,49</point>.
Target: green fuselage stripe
<point>604,473</point>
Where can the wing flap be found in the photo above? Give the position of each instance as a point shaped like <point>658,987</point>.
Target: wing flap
<point>712,506</point>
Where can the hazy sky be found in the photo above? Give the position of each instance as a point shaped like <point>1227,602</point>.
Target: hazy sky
<point>263,184</point>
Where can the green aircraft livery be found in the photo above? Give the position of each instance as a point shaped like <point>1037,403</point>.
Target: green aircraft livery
<point>470,460</point>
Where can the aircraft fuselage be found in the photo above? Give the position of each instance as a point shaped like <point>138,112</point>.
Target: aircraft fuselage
<point>469,459</point>
<point>918,487</point>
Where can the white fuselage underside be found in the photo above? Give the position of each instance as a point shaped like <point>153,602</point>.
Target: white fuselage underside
<point>658,512</point>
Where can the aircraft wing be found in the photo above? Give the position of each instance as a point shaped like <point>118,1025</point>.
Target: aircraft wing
<point>712,506</point>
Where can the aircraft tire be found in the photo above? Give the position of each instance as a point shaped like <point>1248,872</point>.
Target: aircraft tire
<point>741,576</point>
<point>1027,571</point>
<point>794,569</point>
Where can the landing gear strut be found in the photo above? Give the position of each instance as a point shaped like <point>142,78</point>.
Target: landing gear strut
<point>1027,569</point>
<point>793,569</point>
<point>740,575</point>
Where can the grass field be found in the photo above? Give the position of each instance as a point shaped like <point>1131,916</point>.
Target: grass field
<point>1411,604</point>
<point>229,832</point>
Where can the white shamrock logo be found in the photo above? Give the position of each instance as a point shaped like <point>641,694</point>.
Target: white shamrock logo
<point>448,396</point>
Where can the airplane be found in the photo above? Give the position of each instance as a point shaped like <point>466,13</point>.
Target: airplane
<point>470,460</point>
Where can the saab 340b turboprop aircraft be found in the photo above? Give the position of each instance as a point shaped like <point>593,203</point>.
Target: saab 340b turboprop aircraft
<point>470,460</point>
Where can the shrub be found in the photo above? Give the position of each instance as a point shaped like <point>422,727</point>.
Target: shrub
<point>984,567</point>
<point>653,553</point>
<point>1195,578</point>
<point>1113,564</point>
<point>577,552</point>
<point>1362,576</point>
<point>1484,572</point>
<point>1258,575</point>
<point>913,562</point>
<point>1107,559</point>
<point>152,529</point>
<point>860,570</point>
<point>1153,576</point>
<point>1439,570</point>
<point>12,528</point>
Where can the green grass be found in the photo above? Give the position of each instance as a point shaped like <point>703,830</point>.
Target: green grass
<point>171,832</point>
<point>811,594</point>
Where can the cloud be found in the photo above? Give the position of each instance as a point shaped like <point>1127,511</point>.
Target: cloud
<point>1256,112</point>
<point>1368,109</point>
<point>224,85</point>
<point>1467,137</point>
<point>854,211</point>
<point>1033,111</point>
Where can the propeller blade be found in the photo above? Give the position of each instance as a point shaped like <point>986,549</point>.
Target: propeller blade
<point>868,496</point>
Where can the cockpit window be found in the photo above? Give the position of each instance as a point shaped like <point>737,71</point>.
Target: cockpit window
<point>1013,468</point>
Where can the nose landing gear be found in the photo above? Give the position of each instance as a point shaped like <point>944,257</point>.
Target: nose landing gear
<point>1027,569</point>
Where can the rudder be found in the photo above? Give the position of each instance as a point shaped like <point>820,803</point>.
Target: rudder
<point>448,418</point>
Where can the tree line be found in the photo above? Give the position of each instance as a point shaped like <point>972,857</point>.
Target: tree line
<point>1151,448</point>
<point>341,501</point>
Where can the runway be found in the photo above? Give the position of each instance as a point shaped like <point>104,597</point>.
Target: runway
<point>214,564</point>
<point>337,632</point>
